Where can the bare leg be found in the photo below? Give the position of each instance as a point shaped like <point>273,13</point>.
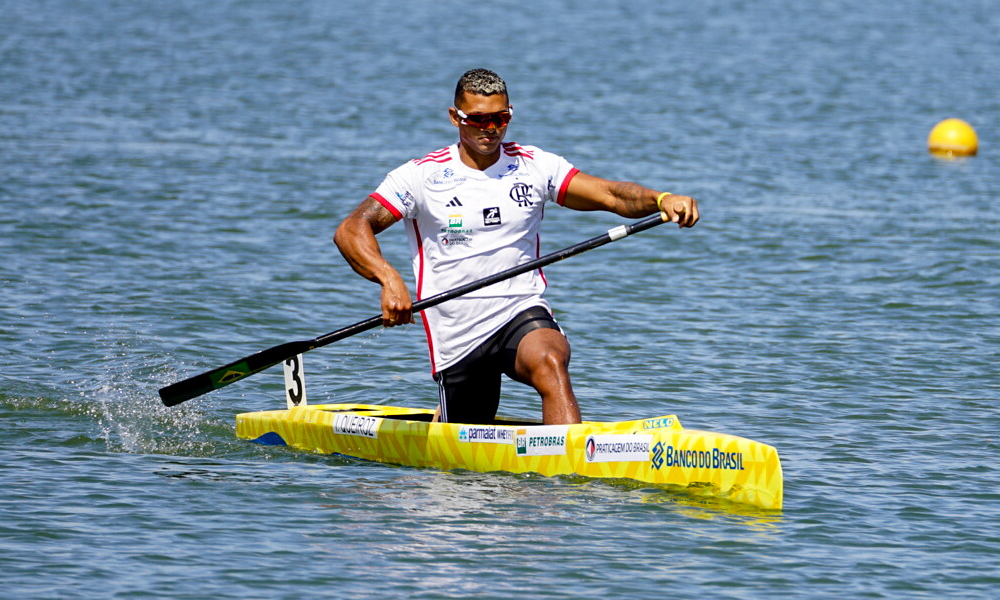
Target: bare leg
<point>543,362</point>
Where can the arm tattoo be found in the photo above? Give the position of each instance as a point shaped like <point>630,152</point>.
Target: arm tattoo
<point>629,195</point>
<point>372,211</point>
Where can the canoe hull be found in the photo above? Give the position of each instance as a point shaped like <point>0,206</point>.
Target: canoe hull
<point>657,451</point>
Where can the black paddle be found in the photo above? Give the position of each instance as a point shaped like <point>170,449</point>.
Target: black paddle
<point>212,380</point>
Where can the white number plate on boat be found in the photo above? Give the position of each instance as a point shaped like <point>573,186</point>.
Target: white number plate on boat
<point>348,424</point>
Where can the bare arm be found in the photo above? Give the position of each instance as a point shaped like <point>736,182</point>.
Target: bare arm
<point>586,192</point>
<point>355,238</point>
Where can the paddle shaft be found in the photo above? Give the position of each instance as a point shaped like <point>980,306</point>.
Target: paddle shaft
<point>193,387</point>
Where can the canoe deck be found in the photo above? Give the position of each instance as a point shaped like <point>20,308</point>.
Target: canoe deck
<point>656,451</point>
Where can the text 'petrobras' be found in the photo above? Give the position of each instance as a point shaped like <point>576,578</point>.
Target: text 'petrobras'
<point>543,440</point>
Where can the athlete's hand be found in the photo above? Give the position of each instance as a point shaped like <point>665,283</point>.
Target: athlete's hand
<point>397,307</point>
<point>682,210</point>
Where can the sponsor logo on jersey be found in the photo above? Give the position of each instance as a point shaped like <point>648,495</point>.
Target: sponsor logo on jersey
<point>454,202</point>
<point>444,179</point>
<point>454,233</point>
<point>456,240</point>
<point>512,169</point>
<point>618,448</point>
<point>406,199</point>
<point>491,216</point>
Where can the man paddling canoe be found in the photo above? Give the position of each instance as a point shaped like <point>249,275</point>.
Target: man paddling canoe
<point>472,209</point>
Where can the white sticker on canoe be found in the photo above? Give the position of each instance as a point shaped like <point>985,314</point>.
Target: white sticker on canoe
<point>486,434</point>
<point>619,448</point>
<point>541,440</point>
<point>351,424</point>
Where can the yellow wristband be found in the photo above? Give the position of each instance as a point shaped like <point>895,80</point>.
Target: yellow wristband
<point>659,200</point>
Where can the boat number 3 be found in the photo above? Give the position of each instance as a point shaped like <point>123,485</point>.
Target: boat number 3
<point>295,387</point>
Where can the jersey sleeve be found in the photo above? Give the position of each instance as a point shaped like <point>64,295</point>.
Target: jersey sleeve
<point>558,172</point>
<point>398,192</point>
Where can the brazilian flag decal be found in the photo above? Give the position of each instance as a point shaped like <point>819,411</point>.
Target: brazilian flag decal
<point>230,374</point>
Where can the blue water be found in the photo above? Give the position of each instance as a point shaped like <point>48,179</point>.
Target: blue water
<point>172,174</point>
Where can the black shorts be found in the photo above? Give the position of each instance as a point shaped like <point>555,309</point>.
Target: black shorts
<point>470,389</point>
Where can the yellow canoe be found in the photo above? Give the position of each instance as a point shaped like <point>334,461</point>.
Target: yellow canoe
<point>657,451</point>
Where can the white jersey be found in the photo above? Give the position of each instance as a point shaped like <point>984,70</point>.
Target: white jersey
<point>464,224</point>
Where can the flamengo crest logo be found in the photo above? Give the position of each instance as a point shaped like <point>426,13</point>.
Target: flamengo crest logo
<point>521,193</point>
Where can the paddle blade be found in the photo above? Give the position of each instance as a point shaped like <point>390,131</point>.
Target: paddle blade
<point>193,387</point>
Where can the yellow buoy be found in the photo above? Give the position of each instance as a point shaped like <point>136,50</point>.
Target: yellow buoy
<point>953,137</point>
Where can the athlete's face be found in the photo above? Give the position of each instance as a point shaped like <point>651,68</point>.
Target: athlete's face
<point>481,144</point>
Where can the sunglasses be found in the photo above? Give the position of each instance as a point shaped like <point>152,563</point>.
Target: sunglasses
<point>486,120</point>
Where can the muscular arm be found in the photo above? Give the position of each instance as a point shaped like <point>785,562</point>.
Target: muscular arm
<point>586,192</point>
<point>355,238</point>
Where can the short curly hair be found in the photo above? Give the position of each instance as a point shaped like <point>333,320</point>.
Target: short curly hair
<point>480,81</point>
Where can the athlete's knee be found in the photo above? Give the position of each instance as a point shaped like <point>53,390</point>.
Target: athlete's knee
<point>544,355</point>
<point>554,358</point>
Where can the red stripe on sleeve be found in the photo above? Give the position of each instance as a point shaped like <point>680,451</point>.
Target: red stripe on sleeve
<point>388,206</point>
<point>561,198</point>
